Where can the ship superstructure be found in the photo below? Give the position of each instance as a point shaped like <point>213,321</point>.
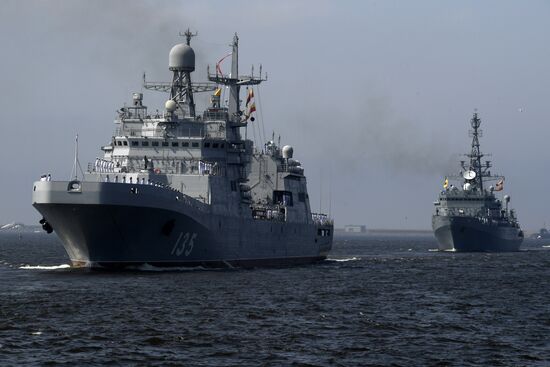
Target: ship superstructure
<point>185,188</point>
<point>471,217</point>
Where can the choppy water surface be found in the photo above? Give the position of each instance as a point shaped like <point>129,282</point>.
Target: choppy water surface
<point>379,301</point>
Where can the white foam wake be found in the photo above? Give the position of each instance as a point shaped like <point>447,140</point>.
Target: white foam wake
<point>45,267</point>
<point>433,249</point>
<point>344,260</point>
<point>546,246</point>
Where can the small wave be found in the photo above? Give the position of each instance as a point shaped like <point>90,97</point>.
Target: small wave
<point>45,267</point>
<point>344,260</point>
<point>433,249</point>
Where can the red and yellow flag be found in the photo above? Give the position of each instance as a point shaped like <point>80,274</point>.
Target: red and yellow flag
<point>249,97</point>
<point>250,104</point>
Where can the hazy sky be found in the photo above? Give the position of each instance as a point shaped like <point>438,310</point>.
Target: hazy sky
<point>375,96</point>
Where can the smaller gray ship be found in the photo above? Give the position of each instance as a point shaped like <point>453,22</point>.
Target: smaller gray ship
<point>471,218</point>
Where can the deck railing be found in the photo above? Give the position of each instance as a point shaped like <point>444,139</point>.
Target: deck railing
<point>180,132</point>
<point>321,219</point>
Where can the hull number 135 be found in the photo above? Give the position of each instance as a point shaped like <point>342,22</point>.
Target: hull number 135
<point>184,244</point>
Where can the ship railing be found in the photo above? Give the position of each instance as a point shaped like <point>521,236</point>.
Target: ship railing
<point>272,213</point>
<point>211,115</point>
<point>180,132</point>
<point>500,219</point>
<point>191,169</point>
<point>456,192</point>
<point>457,212</point>
<point>321,219</point>
<point>180,196</point>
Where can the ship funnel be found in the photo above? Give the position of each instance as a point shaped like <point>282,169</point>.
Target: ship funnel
<point>181,58</point>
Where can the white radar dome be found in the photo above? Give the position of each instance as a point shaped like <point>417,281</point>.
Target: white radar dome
<point>288,151</point>
<point>181,58</point>
<point>170,105</point>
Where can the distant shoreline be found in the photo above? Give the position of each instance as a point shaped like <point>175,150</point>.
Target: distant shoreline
<point>382,231</point>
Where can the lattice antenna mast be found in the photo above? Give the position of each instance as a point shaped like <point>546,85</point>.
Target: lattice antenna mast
<point>475,154</point>
<point>182,64</point>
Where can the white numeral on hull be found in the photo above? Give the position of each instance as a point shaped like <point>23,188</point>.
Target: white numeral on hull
<point>184,244</point>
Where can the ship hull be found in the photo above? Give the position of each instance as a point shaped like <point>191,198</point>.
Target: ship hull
<point>109,225</point>
<point>467,234</point>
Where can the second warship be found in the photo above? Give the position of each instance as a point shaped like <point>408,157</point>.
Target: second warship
<point>179,188</point>
<point>471,217</point>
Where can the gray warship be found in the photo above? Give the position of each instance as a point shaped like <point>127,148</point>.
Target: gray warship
<point>179,188</point>
<point>471,218</point>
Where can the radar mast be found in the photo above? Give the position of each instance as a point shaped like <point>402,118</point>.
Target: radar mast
<point>480,170</point>
<point>181,62</point>
<point>234,81</point>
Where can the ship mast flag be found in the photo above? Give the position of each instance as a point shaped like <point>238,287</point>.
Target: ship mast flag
<point>234,81</point>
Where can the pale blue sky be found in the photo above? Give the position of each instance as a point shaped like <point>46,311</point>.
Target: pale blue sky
<point>375,96</point>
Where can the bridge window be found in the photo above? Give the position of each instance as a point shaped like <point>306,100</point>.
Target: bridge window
<point>207,145</point>
<point>125,143</point>
<point>144,143</point>
<point>222,145</point>
<point>119,143</point>
<point>175,144</point>
<point>282,197</point>
<point>135,143</point>
<point>185,144</point>
<point>164,143</point>
<point>195,145</point>
<point>155,143</point>
<point>215,145</point>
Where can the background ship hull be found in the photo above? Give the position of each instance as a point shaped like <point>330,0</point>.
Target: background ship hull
<point>466,234</point>
<point>107,225</point>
